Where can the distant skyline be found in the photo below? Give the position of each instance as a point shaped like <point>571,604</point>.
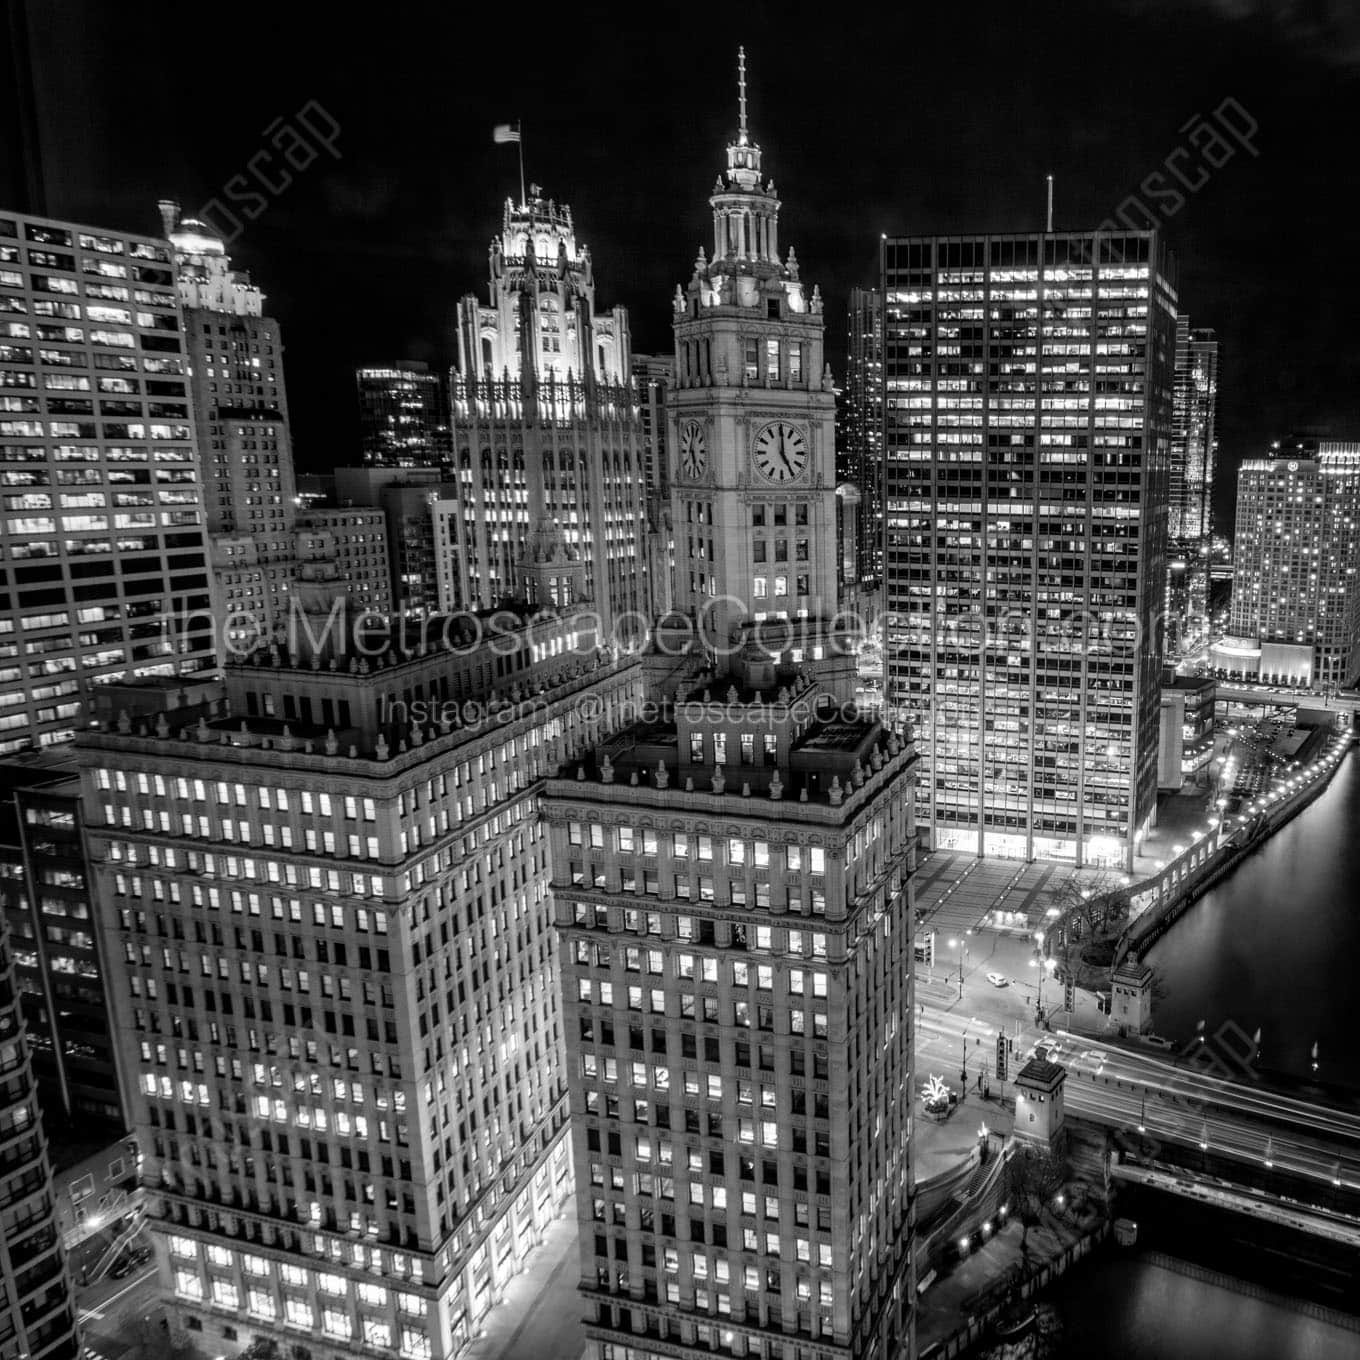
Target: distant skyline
<point>917,122</point>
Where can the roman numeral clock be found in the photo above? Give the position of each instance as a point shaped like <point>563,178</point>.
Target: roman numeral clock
<point>779,452</point>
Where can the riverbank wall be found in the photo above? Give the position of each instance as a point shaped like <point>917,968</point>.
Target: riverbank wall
<point>1160,901</point>
<point>1010,1292</point>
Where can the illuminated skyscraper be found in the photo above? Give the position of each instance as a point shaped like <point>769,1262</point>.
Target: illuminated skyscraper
<point>1194,452</point>
<point>45,900</point>
<point>862,427</point>
<point>403,416</point>
<point>1029,395</point>
<point>37,1310</point>
<point>240,408</point>
<point>1296,569</point>
<point>337,1000</point>
<point>549,451</point>
<point>732,883</point>
<point>104,572</point>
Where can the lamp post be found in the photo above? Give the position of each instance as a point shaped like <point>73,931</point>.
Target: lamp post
<point>962,947</point>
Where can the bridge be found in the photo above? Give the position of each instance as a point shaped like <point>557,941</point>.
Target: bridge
<point>1275,696</point>
<point>1203,1127</point>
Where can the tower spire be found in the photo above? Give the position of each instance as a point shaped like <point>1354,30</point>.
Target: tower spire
<point>741,95</point>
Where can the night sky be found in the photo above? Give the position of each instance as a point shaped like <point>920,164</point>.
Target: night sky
<point>932,118</point>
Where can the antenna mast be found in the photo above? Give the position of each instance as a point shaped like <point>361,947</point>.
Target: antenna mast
<point>741,94</point>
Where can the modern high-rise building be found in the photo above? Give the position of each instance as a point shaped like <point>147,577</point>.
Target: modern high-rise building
<point>37,1311</point>
<point>1295,613</point>
<point>549,452</point>
<point>733,892</point>
<point>653,374</point>
<point>103,564</point>
<point>240,408</point>
<point>338,1002</point>
<point>1190,520</point>
<point>1028,389</point>
<point>403,415</point>
<point>424,576</point>
<point>45,901</point>
<point>861,430</point>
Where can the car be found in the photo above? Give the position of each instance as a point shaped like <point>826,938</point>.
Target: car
<point>998,980</point>
<point>123,1266</point>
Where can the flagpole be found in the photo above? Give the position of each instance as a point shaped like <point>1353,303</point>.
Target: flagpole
<point>523,197</point>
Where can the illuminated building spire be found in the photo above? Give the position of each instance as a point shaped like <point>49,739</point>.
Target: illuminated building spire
<point>741,95</point>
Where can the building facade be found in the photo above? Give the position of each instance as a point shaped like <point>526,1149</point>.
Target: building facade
<point>1028,390</point>
<point>1190,518</point>
<point>338,996</point>
<point>549,451</point>
<point>104,571</point>
<point>240,409</point>
<point>342,551</point>
<point>733,895</point>
<point>45,901</point>
<point>1295,613</point>
<point>409,498</point>
<point>37,1307</point>
<point>861,432</point>
<point>403,416</point>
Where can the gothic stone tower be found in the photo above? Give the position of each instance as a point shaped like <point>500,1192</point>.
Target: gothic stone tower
<point>752,431</point>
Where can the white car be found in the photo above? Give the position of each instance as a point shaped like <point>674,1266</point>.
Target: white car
<point>998,980</point>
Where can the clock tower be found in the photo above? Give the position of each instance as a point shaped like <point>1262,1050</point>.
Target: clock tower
<point>752,432</point>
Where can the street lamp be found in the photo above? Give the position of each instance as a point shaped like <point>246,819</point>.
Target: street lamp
<point>962,947</point>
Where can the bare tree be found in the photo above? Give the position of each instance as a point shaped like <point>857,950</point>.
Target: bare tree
<point>1033,1177</point>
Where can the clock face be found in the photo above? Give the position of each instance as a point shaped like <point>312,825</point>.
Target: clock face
<point>693,449</point>
<point>780,452</point>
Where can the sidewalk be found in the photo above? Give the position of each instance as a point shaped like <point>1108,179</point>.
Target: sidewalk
<point>539,1316</point>
<point>952,1299</point>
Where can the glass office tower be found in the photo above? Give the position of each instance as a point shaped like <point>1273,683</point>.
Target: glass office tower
<point>1028,386</point>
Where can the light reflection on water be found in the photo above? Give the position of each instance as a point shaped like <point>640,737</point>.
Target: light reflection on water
<point>1276,945</point>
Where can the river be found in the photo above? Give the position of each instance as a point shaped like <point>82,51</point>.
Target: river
<point>1276,945</point>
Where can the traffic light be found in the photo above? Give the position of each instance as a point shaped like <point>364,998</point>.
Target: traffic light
<point>1003,1052</point>
<point>1070,996</point>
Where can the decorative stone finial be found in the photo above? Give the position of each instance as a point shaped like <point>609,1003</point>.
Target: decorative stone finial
<point>606,770</point>
<point>332,742</point>
<point>633,778</point>
<point>894,746</point>
<point>124,722</point>
<point>836,793</point>
<point>380,751</point>
<point>719,779</point>
<point>732,695</point>
<point>857,775</point>
<point>802,794</point>
<point>776,787</point>
<point>689,783</point>
<point>580,774</point>
<point>746,788</point>
<point>162,726</point>
<point>202,731</point>
<point>663,775</point>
